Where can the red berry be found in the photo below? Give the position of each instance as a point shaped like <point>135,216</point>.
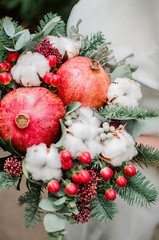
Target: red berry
<point>55,80</point>
<point>85,157</point>
<point>84,176</point>
<point>13,56</point>
<point>75,177</point>
<point>52,60</point>
<point>53,186</point>
<point>121,181</point>
<point>5,78</point>
<point>71,189</point>
<point>66,165</point>
<point>110,194</point>
<point>107,173</point>
<point>65,155</point>
<point>2,66</point>
<point>47,77</point>
<point>8,65</point>
<point>130,171</point>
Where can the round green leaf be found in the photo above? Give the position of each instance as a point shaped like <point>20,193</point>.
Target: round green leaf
<point>53,223</point>
<point>47,205</point>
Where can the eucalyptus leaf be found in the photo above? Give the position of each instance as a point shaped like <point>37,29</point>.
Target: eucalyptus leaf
<point>72,107</point>
<point>23,39</point>
<point>59,193</point>
<point>73,210</point>
<point>8,26</point>
<point>53,223</point>
<point>70,219</point>
<point>9,49</point>
<point>47,205</point>
<point>72,204</point>
<point>60,201</point>
<point>121,72</point>
<point>50,25</point>
<point>63,135</point>
<point>18,33</point>
<point>29,47</point>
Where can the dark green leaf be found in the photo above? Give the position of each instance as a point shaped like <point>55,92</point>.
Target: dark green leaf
<point>63,135</point>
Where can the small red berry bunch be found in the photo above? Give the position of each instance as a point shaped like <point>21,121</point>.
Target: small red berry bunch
<point>66,160</point>
<point>52,79</point>
<point>13,166</point>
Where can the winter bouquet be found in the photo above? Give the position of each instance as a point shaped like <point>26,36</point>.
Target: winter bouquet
<point>69,117</point>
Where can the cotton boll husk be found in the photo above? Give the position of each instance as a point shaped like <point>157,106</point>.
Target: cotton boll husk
<point>36,155</point>
<point>53,158</point>
<point>75,145</point>
<point>94,147</point>
<point>48,173</point>
<point>120,149</point>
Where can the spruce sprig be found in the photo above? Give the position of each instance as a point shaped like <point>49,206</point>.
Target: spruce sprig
<point>137,191</point>
<point>58,29</point>
<point>6,180</point>
<point>117,112</point>
<point>89,45</point>
<point>103,209</point>
<point>32,214</point>
<point>147,156</point>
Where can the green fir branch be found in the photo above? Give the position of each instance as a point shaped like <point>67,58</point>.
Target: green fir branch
<point>147,156</point>
<point>92,44</point>
<point>103,209</point>
<point>117,112</point>
<point>137,191</point>
<point>6,180</point>
<point>58,29</point>
<point>31,217</point>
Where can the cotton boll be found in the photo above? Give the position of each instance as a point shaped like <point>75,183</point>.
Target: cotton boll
<point>36,174</point>
<point>48,173</point>
<point>119,149</point>
<point>36,155</point>
<point>125,92</point>
<point>29,68</point>
<point>53,158</point>
<point>94,147</point>
<point>80,130</point>
<point>66,46</point>
<point>85,114</point>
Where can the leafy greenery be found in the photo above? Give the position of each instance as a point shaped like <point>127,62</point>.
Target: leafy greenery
<point>8,146</point>
<point>137,191</point>
<point>117,112</point>
<point>103,209</point>
<point>147,156</point>
<point>59,27</point>
<point>92,44</point>
<point>32,212</point>
<point>6,180</point>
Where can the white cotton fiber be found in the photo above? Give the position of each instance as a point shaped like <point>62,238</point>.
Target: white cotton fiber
<point>125,92</point>
<point>119,149</point>
<point>29,68</point>
<point>94,147</point>
<point>43,163</point>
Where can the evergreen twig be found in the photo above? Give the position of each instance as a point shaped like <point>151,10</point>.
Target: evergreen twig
<point>147,156</point>
<point>6,180</point>
<point>137,191</point>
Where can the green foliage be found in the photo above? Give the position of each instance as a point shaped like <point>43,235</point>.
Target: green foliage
<point>6,180</point>
<point>121,72</point>
<point>8,146</point>
<point>103,209</point>
<point>117,112</point>
<point>59,27</point>
<point>147,156</point>
<point>92,44</point>
<point>54,222</point>
<point>32,212</point>
<point>137,191</point>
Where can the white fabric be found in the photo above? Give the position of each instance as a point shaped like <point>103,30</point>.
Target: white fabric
<point>131,25</point>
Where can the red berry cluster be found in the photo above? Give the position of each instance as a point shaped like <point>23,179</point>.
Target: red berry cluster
<point>13,166</point>
<point>84,213</point>
<point>45,48</point>
<point>53,79</point>
<point>115,124</point>
<point>66,160</point>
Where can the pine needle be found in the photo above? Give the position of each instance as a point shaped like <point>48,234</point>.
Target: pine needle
<point>6,180</point>
<point>103,209</point>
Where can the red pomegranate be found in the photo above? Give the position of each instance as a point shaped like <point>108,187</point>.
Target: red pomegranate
<point>30,116</point>
<point>83,80</point>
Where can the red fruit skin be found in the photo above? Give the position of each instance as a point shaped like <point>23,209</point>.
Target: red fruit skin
<point>52,60</point>
<point>107,173</point>
<point>53,186</point>
<point>2,66</point>
<point>85,157</point>
<point>5,78</point>
<point>130,171</point>
<point>65,155</point>
<point>44,110</point>
<point>13,56</point>
<point>84,176</point>
<point>55,80</point>
<point>47,77</point>
<point>110,194</point>
<point>71,189</point>
<point>121,181</point>
<point>82,83</point>
<point>75,177</point>
<point>66,165</point>
<point>8,65</point>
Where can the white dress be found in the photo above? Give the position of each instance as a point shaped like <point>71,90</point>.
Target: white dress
<point>133,27</point>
